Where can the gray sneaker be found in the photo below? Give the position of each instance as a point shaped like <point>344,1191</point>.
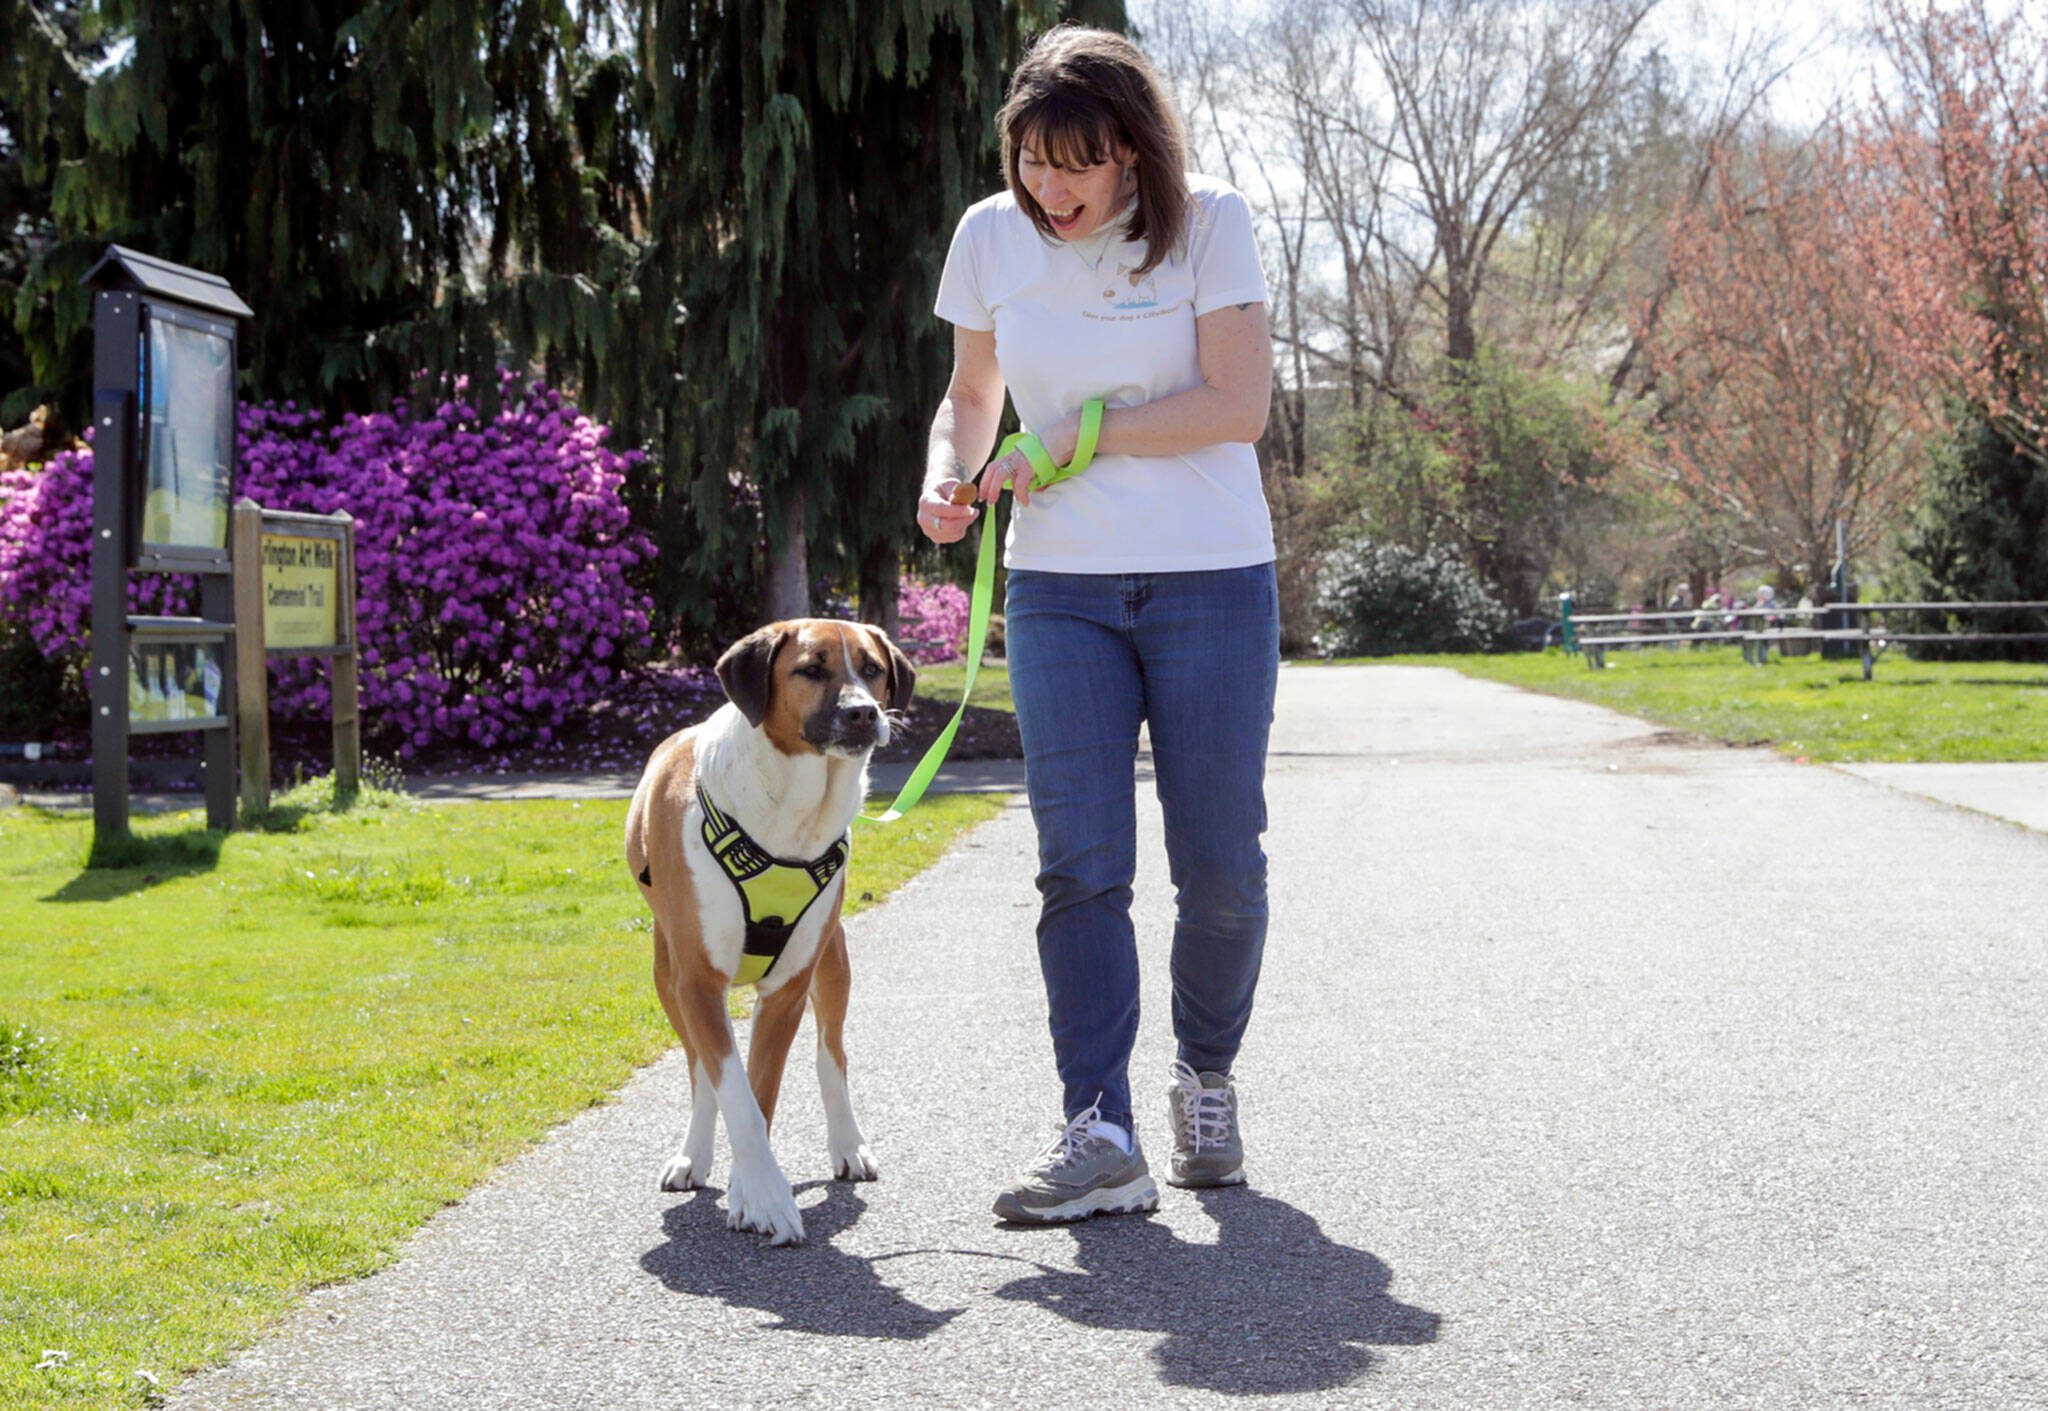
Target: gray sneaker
<point>1082,1173</point>
<point>1207,1147</point>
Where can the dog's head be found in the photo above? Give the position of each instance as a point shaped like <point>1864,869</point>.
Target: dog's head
<point>817,685</point>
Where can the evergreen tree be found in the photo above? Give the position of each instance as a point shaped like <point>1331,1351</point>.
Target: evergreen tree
<point>391,186</point>
<point>810,166</point>
<point>719,225</point>
<point>42,88</point>
<point>1980,534</point>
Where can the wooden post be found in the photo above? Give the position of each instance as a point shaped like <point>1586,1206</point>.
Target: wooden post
<point>348,727</point>
<point>252,674</point>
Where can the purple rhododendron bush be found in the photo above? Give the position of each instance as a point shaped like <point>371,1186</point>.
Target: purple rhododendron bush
<point>494,556</point>
<point>46,558</point>
<point>498,602</point>
<point>494,562</point>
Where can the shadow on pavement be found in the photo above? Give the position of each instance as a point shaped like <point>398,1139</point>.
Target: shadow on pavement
<point>1274,1305</point>
<point>809,1288</point>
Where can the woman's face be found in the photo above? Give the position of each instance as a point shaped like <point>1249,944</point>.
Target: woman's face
<point>1077,200</point>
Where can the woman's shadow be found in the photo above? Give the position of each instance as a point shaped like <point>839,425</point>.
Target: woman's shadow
<point>1274,1305</point>
<point>818,1290</point>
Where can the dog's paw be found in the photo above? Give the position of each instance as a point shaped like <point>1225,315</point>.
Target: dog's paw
<point>854,1163</point>
<point>763,1202</point>
<point>683,1174</point>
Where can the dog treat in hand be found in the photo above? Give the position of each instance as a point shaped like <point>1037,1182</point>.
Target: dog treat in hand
<point>963,493</point>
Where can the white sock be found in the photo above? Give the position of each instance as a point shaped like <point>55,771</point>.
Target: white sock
<point>1115,1133</point>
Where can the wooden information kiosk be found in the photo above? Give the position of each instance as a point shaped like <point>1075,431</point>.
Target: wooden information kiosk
<point>164,460</point>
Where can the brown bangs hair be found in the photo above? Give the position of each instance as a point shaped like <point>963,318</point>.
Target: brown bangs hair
<point>1079,95</point>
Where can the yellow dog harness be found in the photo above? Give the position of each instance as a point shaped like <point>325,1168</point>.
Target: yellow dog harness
<point>774,893</point>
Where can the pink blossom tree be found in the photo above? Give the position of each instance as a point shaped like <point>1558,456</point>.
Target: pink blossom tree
<point>1949,194</point>
<point>1785,404</point>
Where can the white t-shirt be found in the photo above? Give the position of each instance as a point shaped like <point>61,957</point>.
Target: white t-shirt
<point>1071,325</point>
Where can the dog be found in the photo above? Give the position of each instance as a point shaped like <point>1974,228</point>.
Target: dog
<point>737,837</point>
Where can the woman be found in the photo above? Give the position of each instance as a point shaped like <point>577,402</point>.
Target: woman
<point>1140,592</point>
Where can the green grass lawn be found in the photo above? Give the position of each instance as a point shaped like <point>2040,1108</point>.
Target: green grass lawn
<point>991,684</point>
<point>243,1066</point>
<point>1913,711</point>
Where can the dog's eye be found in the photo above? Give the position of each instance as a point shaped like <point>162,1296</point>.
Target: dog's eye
<point>811,671</point>
<point>869,671</point>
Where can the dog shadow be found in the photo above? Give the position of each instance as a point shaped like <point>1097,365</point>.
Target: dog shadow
<point>808,1288</point>
<point>1274,1305</point>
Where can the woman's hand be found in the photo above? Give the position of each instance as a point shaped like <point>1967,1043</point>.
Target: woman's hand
<point>1015,469</point>
<point>943,521</point>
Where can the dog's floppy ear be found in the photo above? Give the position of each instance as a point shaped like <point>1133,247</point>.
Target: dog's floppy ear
<point>902,675</point>
<point>744,670</point>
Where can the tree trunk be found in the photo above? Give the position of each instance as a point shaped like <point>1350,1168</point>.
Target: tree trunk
<point>1461,339</point>
<point>878,594</point>
<point>789,589</point>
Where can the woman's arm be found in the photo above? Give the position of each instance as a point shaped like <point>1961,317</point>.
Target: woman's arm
<point>1236,354</point>
<point>963,433</point>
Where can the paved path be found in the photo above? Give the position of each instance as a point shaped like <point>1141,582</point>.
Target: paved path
<point>1565,1089</point>
<point>2017,793</point>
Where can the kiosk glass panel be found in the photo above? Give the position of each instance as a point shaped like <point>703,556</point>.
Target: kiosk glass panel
<point>188,435</point>
<point>173,681</point>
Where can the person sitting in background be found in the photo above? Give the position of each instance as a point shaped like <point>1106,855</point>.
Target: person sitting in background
<point>1767,602</point>
<point>1706,619</point>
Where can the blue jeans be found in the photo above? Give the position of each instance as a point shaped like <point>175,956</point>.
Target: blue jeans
<point>1091,656</point>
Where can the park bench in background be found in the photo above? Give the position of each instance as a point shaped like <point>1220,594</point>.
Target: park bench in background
<point>1874,634</point>
<point>1716,624</point>
<point>1871,637</point>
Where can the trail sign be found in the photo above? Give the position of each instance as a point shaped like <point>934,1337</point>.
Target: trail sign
<point>295,596</point>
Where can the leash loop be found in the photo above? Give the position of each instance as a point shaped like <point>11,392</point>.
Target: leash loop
<point>1044,471</point>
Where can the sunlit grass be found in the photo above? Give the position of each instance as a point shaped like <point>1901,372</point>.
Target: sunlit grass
<point>237,1067</point>
<point>991,684</point>
<point>1824,710</point>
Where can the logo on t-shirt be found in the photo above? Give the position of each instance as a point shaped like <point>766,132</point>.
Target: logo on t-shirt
<point>1137,293</point>
<point>1130,297</point>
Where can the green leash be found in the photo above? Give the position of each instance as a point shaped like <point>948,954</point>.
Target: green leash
<point>1044,472</point>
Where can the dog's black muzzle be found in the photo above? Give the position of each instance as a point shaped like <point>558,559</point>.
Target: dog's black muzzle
<point>852,727</point>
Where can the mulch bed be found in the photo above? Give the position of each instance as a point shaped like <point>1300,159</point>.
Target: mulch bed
<point>983,734</point>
